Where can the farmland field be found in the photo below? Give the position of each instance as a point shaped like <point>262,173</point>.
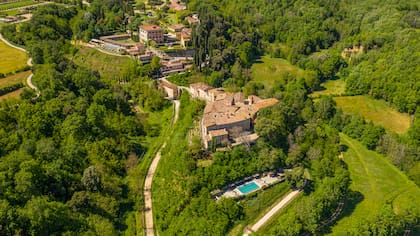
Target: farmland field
<point>378,182</point>
<point>11,5</point>
<point>15,94</point>
<point>11,59</point>
<point>377,111</point>
<point>14,79</point>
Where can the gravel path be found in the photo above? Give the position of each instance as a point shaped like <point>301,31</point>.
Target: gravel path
<point>148,203</point>
<point>272,212</point>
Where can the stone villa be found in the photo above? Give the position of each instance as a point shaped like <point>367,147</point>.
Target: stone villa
<point>227,116</point>
<point>151,33</point>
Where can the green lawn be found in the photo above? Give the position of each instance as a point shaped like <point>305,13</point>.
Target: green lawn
<point>378,181</point>
<point>11,5</point>
<point>272,71</point>
<point>11,59</point>
<point>256,205</point>
<point>377,111</point>
<point>108,66</point>
<point>333,87</point>
<point>290,207</point>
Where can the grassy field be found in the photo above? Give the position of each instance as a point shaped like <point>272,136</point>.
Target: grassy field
<point>11,59</point>
<point>14,79</point>
<point>271,71</point>
<point>265,229</point>
<point>377,111</point>
<point>108,66</point>
<point>333,87</point>
<point>378,182</point>
<point>11,5</point>
<point>15,94</point>
<point>258,204</point>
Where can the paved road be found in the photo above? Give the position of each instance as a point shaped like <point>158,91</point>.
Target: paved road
<point>272,212</point>
<point>149,180</point>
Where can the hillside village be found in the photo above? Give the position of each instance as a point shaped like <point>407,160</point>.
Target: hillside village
<point>228,118</point>
<point>171,44</point>
<point>209,117</point>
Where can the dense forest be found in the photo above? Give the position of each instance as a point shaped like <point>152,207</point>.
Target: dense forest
<point>66,156</point>
<point>312,35</point>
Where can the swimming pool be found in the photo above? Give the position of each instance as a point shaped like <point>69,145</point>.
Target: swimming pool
<point>248,187</point>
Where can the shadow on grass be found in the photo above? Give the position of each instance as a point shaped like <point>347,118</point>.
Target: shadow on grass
<point>353,198</point>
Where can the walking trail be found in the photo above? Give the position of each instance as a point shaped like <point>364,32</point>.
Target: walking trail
<point>271,213</point>
<point>149,180</point>
<point>29,62</point>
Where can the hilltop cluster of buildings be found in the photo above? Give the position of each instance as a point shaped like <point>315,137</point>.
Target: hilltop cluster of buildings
<point>228,117</point>
<point>143,50</point>
<point>176,33</point>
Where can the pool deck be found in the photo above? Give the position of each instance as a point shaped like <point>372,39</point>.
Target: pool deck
<point>262,182</point>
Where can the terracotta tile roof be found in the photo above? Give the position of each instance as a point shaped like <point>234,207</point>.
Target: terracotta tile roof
<point>176,27</point>
<point>218,132</point>
<point>168,85</point>
<point>265,103</point>
<point>200,85</point>
<point>150,27</point>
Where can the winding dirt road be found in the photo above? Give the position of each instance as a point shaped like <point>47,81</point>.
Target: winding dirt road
<point>149,180</point>
<point>29,62</point>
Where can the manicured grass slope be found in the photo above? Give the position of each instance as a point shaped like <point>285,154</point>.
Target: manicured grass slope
<point>377,111</point>
<point>11,59</point>
<point>378,181</point>
<point>333,87</point>
<point>108,66</point>
<point>271,71</point>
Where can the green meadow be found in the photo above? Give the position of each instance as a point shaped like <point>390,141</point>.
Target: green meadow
<point>377,182</point>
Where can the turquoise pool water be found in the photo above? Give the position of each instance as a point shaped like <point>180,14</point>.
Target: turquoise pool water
<point>249,187</point>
